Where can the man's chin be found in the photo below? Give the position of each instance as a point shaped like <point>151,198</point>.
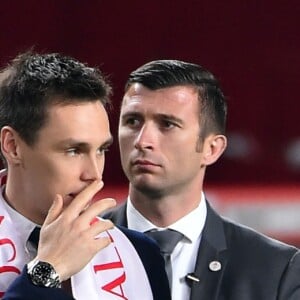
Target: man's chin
<point>148,188</point>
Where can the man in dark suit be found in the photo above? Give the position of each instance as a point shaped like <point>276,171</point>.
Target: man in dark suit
<point>172,126</point>
<point>54,135</point>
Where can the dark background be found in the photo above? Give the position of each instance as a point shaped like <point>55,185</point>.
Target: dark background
<point>251,46</point>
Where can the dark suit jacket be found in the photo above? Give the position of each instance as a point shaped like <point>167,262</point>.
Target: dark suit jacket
<point>253,266</point>
<point>23,289</point>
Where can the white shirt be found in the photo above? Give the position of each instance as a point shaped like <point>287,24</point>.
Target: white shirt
<point>24,227</point>
<point>184,256</point>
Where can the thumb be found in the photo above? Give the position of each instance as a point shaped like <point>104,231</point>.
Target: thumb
<point>55,209</point>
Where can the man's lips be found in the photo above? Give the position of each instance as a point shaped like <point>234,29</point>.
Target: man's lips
<point>144,162</point>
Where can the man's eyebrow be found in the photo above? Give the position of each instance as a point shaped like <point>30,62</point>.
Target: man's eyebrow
<point>170,118</point>
<point>78,143</point>
<point>131,114</point>
<point>158,116</point>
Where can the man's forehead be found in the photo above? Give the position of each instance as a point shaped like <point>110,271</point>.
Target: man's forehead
<point>77,120</point>
<point>137,90</point>
<point>166,99</point>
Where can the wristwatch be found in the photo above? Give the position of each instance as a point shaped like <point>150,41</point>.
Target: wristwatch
<point>43,274</point>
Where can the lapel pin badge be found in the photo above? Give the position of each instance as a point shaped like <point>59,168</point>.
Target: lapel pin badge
<point>215,266</point>
<point>192,277</point>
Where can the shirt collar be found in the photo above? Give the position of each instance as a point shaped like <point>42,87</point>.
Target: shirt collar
<point>23,225</point>
<point>186,225</point>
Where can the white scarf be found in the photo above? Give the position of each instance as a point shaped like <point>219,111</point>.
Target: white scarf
<point>115,272</point>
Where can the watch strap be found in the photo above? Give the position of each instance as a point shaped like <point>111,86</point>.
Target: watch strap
<point>43,274</point>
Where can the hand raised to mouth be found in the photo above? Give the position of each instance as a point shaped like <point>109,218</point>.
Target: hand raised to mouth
<point>69,231</point>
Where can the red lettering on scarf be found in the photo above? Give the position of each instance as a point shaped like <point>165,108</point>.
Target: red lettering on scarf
<point>116,283</point>
<point>6,269</point>
<point>111,286</point>
<point>12,269</point>
<point>9,242</point>
<point>6,241</point>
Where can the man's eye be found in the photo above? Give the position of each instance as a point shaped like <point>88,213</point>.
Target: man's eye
<point>72,151</point>
<point>132,122</point>
<point>103,150</point>
<point>168,124</point>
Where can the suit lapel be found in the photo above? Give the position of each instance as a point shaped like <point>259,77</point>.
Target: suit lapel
<point>118,215</point>
<point>211,259</point>
<point>212,250</point>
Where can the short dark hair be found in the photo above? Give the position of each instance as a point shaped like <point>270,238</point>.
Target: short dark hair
<point>32,82</point>
<point>168,73</point>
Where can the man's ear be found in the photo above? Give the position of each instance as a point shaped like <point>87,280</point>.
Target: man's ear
<point>213,148</point>
<point>10,145</point>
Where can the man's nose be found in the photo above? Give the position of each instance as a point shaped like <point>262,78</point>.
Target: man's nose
<point>145,138</point>
<point>93,168</point>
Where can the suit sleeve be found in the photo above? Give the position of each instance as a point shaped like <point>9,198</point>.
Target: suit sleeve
<point>23,289</point>
<point>290,284</point>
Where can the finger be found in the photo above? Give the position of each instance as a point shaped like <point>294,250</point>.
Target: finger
<point>102,243</point>
<point>100,226</point>
<point>97,208</point>
<point>55,210</point>
<point>81,201</point>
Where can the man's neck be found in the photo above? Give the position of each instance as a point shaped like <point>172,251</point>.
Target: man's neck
<point>16,197</point>
<point>165,209</point>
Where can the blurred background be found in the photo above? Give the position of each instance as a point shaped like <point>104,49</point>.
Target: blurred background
<point>251,46</point>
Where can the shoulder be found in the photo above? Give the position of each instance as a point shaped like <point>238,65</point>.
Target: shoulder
<point>242,235</point>
<point>242,238</point>
<point>252,249</point>
<point>257,256</point>
<point>244,248</point>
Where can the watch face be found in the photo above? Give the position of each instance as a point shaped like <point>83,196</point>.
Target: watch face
<point>43,274</point>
